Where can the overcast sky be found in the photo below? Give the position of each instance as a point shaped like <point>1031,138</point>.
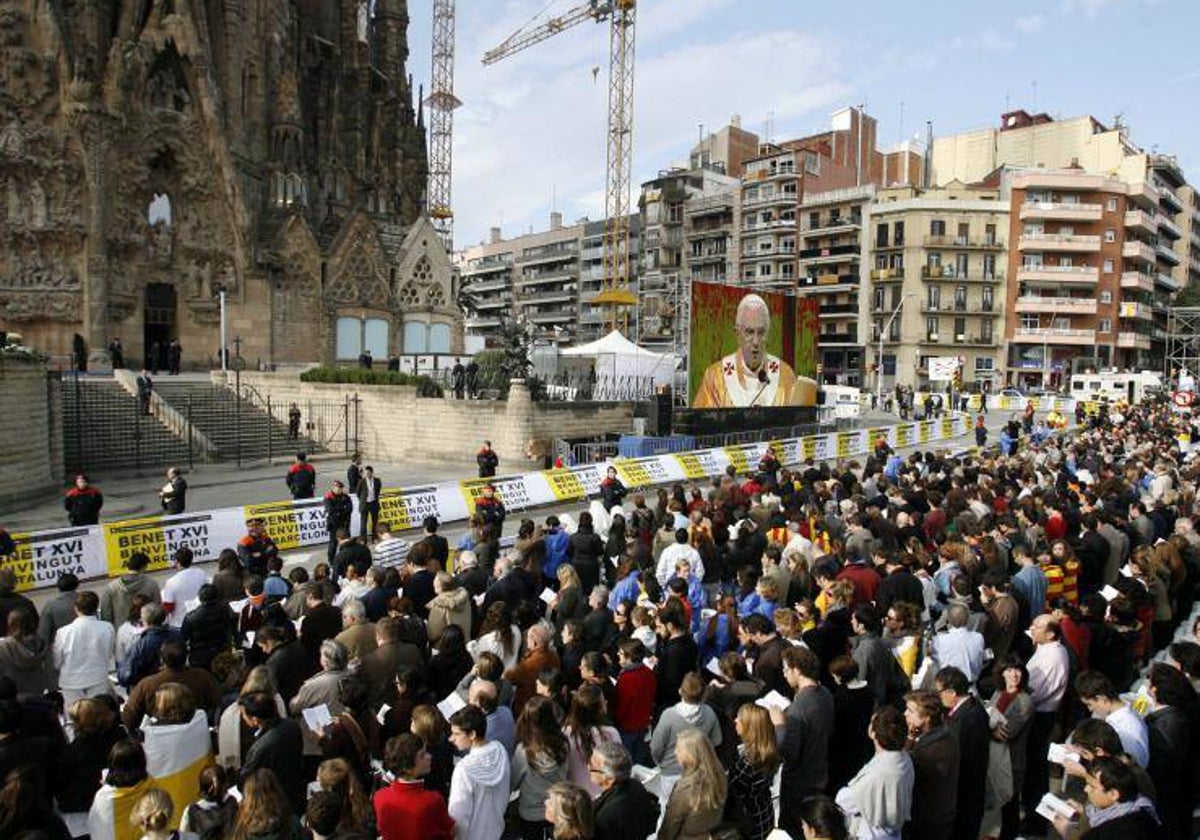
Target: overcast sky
<point>530,134</point>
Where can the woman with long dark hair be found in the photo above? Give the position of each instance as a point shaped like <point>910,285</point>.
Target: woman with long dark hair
<point>498,635</point>
<point>539,761</point>
<point>452,662</point>
<point>585,727</point>
<point>24,808</point>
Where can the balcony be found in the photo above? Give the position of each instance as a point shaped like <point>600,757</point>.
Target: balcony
<point>494,303</point>
<point>833,225</point>
<point>1131,309</point>
<point>957,308</point>
<point>1170,199</point>
<point>491,285</point>
<point>481,323</point>
<point>1137,280</point>
<point>963,242</point>
<point>547,278</point>
<point>1136,250</point>
<point>830,253</point>
<point>707,257</point>
<point>951,275</point>
<point>767,200</point>
<point>553,317</point>
<point>1147,222</point>
<point>887,274</point>
<point>829,282</point>
<point>550,256</point>
<point>827,339</point>
<point>1167,282</point>
<point>839,310</point>
<point>557,296</point>
<point>1133,340</point>
<point>961,340</point>
<point>1053,335</point>
<point>1074,243</point>
<point>1061,211</point>
<point>1076,274</point>
<point>1165,225</point>
<point>1066,306</point>
<point>773,224</point>
<point>1165,254</point>
<point>768,253</point>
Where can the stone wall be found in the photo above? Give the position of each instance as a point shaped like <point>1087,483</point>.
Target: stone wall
<point>394,423</point>
<point>30,457</point>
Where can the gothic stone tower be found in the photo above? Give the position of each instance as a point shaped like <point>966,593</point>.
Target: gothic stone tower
<point>156,152</point>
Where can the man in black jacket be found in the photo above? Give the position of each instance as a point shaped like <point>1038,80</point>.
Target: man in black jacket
<point>899,584</point>
<point>624,809</point>
<point>173,494</point>
<point>278,746</point>
<point>369,488</point>
<point>338,510</point>
<point>286,660</point>
<point>806,725</point>
<point>967,719</point>
<point>935,757</point>
<point>487,459</point>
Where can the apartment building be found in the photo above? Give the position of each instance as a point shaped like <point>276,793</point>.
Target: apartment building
<point>544,280</point>
<point>1187,247</point>
<point>829,257</point>
<point>592,272</point>
<point>1092,268</point>
<point>725,150</point>
<point>937,260</point>
<point>665,248</point>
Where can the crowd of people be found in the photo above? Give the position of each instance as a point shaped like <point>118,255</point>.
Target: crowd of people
<point>912,646</point>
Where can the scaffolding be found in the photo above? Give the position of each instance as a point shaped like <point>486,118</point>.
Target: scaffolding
<point>1183,341</point>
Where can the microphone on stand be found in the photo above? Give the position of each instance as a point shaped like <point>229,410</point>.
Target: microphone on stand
<point>765,380</point>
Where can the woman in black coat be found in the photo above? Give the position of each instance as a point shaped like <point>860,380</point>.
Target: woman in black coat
<point>97,728</point>
<point>586,551</point>
<point>452,662</point>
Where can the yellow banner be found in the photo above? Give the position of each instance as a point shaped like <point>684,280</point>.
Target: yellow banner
<point>925,431</point>
<point>808,448</point>
<point>692,468</point>
<point>737,457</point>
<point>565,485</point>
<point>512,491</point>
<point>947,427</point>
<point>903,435</point>
<point>279,521</point>
<point>844,441</point>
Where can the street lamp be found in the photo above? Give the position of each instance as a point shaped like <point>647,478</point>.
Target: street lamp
<point>879,355</point>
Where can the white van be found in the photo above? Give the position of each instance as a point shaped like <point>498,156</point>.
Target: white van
<point>845,400</point>
<point>1131,387</point>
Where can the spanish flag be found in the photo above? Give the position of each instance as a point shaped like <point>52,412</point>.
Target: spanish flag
<point>175,755</point>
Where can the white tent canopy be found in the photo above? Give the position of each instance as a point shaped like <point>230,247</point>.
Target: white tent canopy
<point>618,361</point>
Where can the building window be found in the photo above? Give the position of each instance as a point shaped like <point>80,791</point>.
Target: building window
<point>1108,266</point>
<point>989,234</point>
<point>989,266</point>
<point>876,329</point>
<point>354,335</point>
<point>935,297</point>
<point>960,329</point>
<point>889,365</point>
<point>1110,235</point>
<point>764,270</point>
<point>984,364</point>
<point>1106,297</point>
<point>960,298</point>
<point>894,330</point>
<point>1111,204</point>
<point>931,328</point>
<point>964,233</point>
<point>985,331</point>
<point>814,220</point>
<point>881,235</point>
<point>1105,325</point>
<point>937,227</point>
<point>987,301</point>
<point>877,297</point>
<point>1029,322</point>
<point>898,234</point>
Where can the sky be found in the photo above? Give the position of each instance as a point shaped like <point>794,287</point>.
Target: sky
<point>530,135</point>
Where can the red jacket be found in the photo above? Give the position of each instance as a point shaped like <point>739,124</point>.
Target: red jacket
<point>406,811</point>
<point>865,579</point>
<point>636,688</point>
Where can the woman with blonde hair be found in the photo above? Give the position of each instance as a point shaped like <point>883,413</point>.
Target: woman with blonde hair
<point>429,725</point>
<point>569,812</point>
<point>697,802</point>
<point>152,816</point>
<point>749,804</point>
<point>570,602</point>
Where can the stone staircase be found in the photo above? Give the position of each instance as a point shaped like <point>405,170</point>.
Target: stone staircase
<point>214,411</point>
<point>104,430</point>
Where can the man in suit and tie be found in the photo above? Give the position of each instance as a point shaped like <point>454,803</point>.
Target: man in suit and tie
<point>966,718</point>
<point>368,502</point>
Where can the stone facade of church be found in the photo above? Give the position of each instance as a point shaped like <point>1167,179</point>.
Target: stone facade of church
<point>156,152</point>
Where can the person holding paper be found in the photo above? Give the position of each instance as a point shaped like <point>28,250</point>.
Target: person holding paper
<point>1049,671</point>
<point>322,689</point>
<point>805,729</point>
<point>1115,809</point>
<point>1104,702</point>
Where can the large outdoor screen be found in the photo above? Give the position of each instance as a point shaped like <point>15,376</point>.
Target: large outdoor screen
<point>751,348</point>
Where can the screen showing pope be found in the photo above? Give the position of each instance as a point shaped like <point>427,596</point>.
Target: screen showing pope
<point>751,376</point>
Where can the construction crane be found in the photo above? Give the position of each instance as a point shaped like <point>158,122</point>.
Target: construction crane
<point>442,102</point>
<point>615,298</point>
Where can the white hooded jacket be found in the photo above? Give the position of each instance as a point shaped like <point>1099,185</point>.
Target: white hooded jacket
<point>479,793</point>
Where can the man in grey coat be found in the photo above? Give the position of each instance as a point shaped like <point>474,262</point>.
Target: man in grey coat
<point>321,689</point>
<point>875,661</point>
